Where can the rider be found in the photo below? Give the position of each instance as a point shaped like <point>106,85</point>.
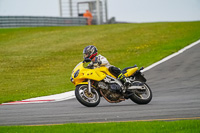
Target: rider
<point>90,54</point>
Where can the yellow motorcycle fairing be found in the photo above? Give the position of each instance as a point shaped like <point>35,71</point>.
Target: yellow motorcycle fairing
<point>80,74</point>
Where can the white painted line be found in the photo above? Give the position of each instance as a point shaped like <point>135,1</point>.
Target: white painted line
<point>70,95</point>
<point>51,98</point>
<point>56,97</point>
<point>171,56</point>
<point>24,101</point>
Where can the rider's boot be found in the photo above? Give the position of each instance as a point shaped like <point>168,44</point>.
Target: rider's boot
<point>123,79</point>
<point>125,82</point>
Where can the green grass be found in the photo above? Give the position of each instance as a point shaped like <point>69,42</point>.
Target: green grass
<point>183,126</point>
<point>39,61</point>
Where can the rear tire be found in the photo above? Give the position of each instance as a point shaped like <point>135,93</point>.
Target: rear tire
<point>85,98</point>
<point>139,95</point>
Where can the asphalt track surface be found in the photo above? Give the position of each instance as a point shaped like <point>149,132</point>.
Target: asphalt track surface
<point>176,94</point>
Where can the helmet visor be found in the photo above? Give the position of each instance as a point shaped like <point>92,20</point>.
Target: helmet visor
<point>85,55</point>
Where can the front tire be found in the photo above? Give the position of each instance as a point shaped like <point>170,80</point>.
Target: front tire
<point>85,98</point>
<point>142,96</point>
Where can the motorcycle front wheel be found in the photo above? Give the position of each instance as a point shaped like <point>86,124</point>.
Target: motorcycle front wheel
<point>142,96</point>
<point>86,98</point>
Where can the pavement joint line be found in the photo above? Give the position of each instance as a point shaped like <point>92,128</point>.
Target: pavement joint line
<point>147,120</point>
<point>168,119</point>
<point>70,95</point>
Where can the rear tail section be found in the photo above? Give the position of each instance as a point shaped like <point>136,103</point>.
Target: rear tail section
<point>129,71</point>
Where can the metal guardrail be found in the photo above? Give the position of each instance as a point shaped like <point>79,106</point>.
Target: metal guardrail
<point>31,21</point>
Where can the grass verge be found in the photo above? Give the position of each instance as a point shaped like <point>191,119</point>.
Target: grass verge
<point>39,61</point>
<point>182,126</point>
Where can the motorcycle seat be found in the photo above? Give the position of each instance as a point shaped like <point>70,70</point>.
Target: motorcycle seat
<point>125,69</point>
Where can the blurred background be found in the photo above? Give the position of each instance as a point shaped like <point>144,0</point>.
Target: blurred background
<point>103,11</point>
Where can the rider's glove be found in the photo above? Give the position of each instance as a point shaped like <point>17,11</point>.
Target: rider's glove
<point>99,63</point>
<point>87,60</point>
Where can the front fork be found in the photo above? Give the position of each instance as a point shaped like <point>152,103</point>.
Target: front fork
<point>89,86</point>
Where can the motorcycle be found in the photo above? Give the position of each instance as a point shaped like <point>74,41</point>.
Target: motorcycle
<point>91,84</point>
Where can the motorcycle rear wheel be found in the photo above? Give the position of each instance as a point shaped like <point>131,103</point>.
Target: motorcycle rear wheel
<point>85,98</point>
<point>142,96</point>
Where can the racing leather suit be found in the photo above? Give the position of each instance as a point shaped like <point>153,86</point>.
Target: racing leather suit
<point>99,61</point>
<point>102,61</point>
